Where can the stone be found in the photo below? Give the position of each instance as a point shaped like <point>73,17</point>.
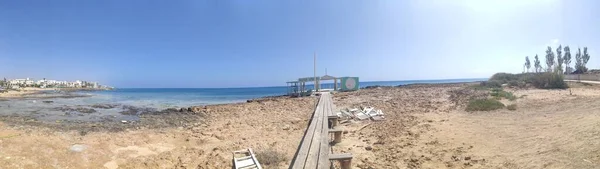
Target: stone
<point>104,106</point>
<point>286,127</point>
<point>368,148</point>
<point>78,148</point>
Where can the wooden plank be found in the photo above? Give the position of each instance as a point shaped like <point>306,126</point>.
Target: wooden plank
<point>302,153</point>
<point>314,148</point>
<point>324,150</point>
<point>313,154</point>
<point>335,130</point>
<point>254,158</point>
<point>344,156</point>
<point>246,162</point>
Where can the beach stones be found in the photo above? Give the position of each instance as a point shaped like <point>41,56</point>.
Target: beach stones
<point>132,110</point>
<point>78,109</point>
<point>78,148</point>
<point>286,127</point>
<point>104,106</point>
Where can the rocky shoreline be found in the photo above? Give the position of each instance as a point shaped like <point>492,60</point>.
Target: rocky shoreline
<point>147,119</point>
<point>143,117</point>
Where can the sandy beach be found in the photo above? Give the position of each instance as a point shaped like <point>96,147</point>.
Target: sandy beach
<point>425,127</point>
<point>21,92</point>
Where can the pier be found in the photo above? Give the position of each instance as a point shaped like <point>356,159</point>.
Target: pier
<point>315,150</point>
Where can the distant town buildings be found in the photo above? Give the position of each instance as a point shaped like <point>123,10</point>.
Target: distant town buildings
<point>44,83</point>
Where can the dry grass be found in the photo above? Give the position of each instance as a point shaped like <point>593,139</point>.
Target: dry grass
<point>270,158</point>
<point>484,105</point>
<point>512,107</point>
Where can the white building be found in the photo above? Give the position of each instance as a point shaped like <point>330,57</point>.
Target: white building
<point>26,81</point>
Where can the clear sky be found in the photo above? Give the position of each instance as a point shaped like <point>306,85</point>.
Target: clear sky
<point>215,43</point>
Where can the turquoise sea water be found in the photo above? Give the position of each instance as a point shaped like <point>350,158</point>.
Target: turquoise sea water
<point>74,109</point>
<point>183,97</point>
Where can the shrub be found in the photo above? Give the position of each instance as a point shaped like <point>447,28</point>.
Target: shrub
<point>499,94</point>
<point>549,81</point>
<point>484,105</point>
<point>514,83</point>
<point>539,80</point>
<point>513,80</point>
<point>480,86</point>
<point>512,107</point>
<point>493,84</point>
<point>270,156</point>
<point>504,77</point>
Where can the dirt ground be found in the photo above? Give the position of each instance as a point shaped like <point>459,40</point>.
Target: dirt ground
<point>425,127</point>
<point>270,125</point>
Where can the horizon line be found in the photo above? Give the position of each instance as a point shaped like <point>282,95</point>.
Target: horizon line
<point>280,86</point>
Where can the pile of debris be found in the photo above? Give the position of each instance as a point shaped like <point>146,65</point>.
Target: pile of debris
<point>365,113</point>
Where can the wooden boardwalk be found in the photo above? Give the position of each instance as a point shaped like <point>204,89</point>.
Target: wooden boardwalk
<point>314,149</point>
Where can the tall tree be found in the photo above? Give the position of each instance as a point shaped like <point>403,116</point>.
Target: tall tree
<point>559,58</point>
<point>537,65</point>
<point>567,59</point>
<point>549,59</point>
<point>578,62</point>
<point>585,57</point>
<point>527,63</point>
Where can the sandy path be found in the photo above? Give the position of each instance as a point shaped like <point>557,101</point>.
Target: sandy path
<point>548,134</point>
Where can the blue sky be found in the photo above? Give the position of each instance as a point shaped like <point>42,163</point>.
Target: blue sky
<point>265,43</point>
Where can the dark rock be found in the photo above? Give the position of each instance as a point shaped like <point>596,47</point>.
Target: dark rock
<point>67,110</point>
<point>132,110</point>
<point>104,106</point>
<point>48,101</point>
<point>372,87</point>
<point>85,110</point>
<point>368,148</point>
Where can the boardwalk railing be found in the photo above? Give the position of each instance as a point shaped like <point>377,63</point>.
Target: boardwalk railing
<point>314,149</point>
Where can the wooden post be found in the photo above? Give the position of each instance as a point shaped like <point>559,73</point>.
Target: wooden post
<point>337,133</point>
<point>344,159</point>
<point>334,121</point>
<point>337,137</point>
<point>346,164</point>
<point>334,84</point>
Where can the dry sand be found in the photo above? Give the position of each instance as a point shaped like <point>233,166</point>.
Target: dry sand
<point>17,93</point>
<point>267,124</point>
<point>425,127</point>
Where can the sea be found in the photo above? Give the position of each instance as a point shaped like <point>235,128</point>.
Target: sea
<point>52,109</point>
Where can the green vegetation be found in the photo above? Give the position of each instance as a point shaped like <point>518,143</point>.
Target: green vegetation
<point>552,65</point>
<point>537,65</point>
<point>538,80</point>
<point>549,59</point>
<point>484,105</point>
<point>512,80</point>
<point>549,81</point>
<point>560,59</point>
<point>499,94</point>
<point>527,63</point>
<point>512,107</point>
